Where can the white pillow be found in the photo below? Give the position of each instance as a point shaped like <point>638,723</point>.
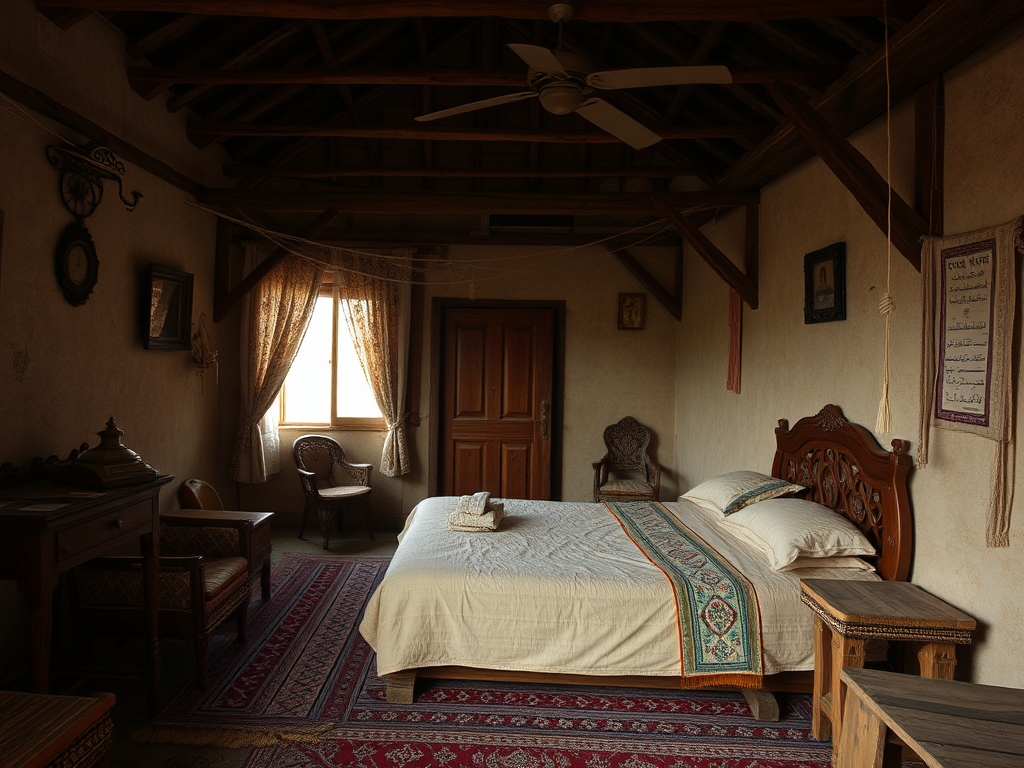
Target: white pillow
<point>848,563</point>
<point>733,491</point>
<point>785,529</point>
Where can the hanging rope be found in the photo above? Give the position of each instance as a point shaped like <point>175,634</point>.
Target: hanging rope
<point>885,305</point>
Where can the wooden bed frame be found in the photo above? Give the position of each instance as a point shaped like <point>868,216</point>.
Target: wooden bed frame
<point>845,469</point>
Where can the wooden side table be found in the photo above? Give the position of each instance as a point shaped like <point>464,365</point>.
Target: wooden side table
<point>846,613</point>
<point>254,536</point>
<point>947,723</point>
<point>41,731</point>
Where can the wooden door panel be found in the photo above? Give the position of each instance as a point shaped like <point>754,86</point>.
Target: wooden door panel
<point>498,370</point>
<point>515,470</point>
<point>517,380</point>
<point>470,384</point>
<point>469,465</point>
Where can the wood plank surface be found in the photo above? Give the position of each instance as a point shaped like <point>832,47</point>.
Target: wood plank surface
<point>947,723</point>
<point>898,603</point>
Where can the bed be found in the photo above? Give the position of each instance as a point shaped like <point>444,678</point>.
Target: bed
<point>561,594</point>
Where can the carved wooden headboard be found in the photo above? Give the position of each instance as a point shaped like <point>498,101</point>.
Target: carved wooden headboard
<point>847,470</point>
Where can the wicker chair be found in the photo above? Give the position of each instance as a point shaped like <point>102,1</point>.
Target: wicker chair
<point>627,443</point>
<point>204,579</point>
<point>316,458</point>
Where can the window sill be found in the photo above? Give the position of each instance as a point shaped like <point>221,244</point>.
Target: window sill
<point>317,428</point>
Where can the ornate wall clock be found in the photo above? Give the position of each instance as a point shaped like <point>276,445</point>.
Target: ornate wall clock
<point>76,264</point>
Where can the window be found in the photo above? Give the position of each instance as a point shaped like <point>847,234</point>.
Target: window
<point>308,397</point>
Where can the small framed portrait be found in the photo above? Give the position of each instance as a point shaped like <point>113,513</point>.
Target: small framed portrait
<point>631,311</point>
<point>169,310</point>
<point>825,284</point>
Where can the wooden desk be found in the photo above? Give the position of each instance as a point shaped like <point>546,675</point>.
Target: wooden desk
<point>254,535</point>
<point>47,528</point>
<point>38,731</point>
<point>846,613</point>
<point>949,724</point>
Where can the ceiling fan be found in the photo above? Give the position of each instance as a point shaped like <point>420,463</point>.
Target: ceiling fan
<point>563,79</point>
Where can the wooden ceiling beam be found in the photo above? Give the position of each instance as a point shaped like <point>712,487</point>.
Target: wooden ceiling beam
<point>847,33</point>
<point>392,238</point>
<point>232,74</point>
<point>723,266</point>
<point>323,44</point>
<point>161,36</point>
<point>65,18</point>
<point>932,42</point>
<point>569,136</point>
<point>392,201</point>
<point>593,10</point>
<point>673,304</point>
<point>228,300</point>
<point>647,172</point>
<point>856,173</point>
<point>700,55</point>
<point>251,53</point>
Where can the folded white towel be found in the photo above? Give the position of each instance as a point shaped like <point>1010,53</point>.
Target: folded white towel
<point>466,517</point>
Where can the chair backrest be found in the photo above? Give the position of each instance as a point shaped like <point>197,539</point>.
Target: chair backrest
<point>198,494</point>
<point>627,443</point>
<point>319,454</point>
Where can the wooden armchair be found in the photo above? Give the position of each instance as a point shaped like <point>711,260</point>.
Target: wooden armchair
<point>627,443</point>
<point>201,507</point>
<point>316,458</point>
<point>203,580</point>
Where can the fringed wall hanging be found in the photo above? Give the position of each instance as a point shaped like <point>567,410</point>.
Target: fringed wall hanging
<point>732,382</point>
<point>970,293</point>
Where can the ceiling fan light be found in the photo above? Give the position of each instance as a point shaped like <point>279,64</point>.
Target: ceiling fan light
<point>561,99</point>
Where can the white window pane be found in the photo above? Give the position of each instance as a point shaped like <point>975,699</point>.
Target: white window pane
<point>307,390</point>
<point>355,398</point>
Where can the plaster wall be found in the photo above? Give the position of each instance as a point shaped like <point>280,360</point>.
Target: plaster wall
<point>608,373</point>
<point>791,370</point>
<point>65,370</point>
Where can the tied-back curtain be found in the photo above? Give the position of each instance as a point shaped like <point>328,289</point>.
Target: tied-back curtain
<point>376,304</point>
<point>274,323</point>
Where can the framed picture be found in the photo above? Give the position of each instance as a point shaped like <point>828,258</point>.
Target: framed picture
<point>825,284</point>
<point>170,309</point>
<point>631,311</point>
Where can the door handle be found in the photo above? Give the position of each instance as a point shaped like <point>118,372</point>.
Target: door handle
<point>545,419</point>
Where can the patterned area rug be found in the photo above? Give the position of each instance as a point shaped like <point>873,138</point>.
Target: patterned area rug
<point>304,692</point>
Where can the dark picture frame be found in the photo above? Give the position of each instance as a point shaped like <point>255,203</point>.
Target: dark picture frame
<point>169,309</point>
<point>631,311</point>
<point>825,284</point>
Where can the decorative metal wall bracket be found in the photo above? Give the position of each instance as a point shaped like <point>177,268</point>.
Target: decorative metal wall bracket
<point>82,174</point>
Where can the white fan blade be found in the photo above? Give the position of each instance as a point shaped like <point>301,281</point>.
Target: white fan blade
<point>539,58</point>
<point>643,78</point>
<point>617,123</point>
<point>475,105</point>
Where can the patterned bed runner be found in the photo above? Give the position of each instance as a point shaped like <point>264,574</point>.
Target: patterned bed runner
<point>718,617</point>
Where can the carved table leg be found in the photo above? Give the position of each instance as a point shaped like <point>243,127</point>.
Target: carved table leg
<point>938,660</point>
<point>846,653</point>
<point>821,725</point>
<point>401,687</point>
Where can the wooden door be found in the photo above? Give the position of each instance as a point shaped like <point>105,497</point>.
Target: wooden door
<point>497,395</point>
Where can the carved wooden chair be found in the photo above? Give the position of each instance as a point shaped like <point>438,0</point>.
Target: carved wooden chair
<point>204,579</point>
<point>627,443</point>
<point>316,458</point>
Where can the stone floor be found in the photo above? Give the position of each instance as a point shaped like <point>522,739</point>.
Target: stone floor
<point>115,666</point>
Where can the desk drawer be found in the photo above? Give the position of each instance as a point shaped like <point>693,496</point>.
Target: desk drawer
<point>104,530</point>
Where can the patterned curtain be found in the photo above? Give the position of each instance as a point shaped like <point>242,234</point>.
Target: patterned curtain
<point>278,314</point>
<point>375,302</point>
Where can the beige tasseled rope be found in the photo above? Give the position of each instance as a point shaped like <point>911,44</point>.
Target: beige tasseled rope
<point>885,305</point>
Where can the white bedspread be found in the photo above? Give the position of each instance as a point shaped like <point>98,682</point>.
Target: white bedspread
<point>560,588</point>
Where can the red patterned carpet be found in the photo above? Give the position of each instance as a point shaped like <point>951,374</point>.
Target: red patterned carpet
<point>304,692</point>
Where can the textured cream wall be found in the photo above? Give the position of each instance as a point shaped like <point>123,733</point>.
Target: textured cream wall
<point>87,363</point>
<point>608,374</point>
<point>791,370</point>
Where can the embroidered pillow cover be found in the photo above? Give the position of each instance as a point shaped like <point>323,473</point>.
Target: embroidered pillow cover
<point>734,491</point>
